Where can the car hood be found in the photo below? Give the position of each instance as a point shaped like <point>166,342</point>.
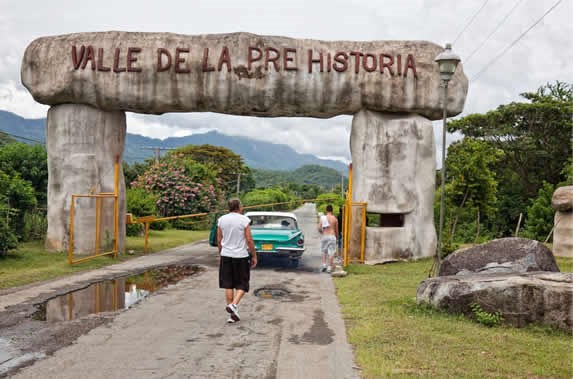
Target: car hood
<point>274,234</point>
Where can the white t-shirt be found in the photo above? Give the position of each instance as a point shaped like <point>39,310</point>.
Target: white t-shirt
<point>234,243</point>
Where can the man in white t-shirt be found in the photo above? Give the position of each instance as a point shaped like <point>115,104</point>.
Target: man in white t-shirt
<point>234,240</point>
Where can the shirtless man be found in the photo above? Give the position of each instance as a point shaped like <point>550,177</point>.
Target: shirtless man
<point>328,226</point>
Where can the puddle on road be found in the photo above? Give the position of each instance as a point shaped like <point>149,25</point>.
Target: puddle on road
<point>271,293</point>
<point>110,295</point>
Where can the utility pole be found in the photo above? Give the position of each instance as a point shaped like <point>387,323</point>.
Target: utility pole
<point>238,184</point>
<point>157,151</point>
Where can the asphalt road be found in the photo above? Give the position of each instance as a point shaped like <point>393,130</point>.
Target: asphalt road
<point>180,331</point>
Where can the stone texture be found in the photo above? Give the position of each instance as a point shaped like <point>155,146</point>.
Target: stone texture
<point>49,74</point>
<point>500,255</point>
<point>562,200</point>
<point>83,143</point>
<point>540,297</point>
<point>394,173</point>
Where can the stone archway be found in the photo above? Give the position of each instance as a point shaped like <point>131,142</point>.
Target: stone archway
<point>392,88</point>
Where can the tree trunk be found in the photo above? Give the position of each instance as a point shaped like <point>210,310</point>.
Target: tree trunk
<point>477,226</point>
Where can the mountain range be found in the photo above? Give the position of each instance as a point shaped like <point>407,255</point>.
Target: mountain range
<point>256,154</point>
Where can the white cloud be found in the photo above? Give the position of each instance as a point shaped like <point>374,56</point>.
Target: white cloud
<point>16,99</point>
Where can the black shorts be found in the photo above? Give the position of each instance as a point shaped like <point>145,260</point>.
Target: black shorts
<point>235,273</point>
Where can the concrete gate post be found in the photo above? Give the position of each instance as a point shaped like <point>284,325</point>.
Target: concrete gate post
<point>394,168</point>
<point>83,143</point>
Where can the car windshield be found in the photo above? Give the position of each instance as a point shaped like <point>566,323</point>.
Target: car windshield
<point>273,222</point>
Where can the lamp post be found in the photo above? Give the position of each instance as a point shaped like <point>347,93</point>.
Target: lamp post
<point>447,63</point>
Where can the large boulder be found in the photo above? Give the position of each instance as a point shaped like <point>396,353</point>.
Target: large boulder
<point>562,202</point>
<point>540,297</point>
<point>500,255</point>
<point>238,73</point>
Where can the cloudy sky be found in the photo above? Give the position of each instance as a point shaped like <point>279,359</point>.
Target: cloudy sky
<point>543,55</point>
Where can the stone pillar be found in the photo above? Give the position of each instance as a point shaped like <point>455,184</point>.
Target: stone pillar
<point>83,143</point>
<point>393,160</point>
<point>562,202</point>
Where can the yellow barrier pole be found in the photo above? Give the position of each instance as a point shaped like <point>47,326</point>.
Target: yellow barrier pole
<point>146,237</point>
<point>98,229</point>
<point>349,216</point>
<point>363,236</point>
<point>116,208</point>
<point>71,239</point>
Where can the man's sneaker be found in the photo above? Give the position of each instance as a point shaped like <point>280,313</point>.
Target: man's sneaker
<point>233,311</point>
<point>329,269</point>
<point>230,321</point>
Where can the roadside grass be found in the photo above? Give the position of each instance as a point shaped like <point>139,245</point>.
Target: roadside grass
<point>393,337</point>
<point>31,263</point>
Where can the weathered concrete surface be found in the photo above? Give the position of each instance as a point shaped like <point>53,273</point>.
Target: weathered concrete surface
<point>180,332</point>
<point>543,297</point>
<point>281,87</point>
<point>500,255</point>
<point>394,169</point>
<point>83,144</point>
<point>562,202</point>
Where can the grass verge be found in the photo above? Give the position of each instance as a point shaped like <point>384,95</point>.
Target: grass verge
<point>31,263</point>
<point>393,337</point>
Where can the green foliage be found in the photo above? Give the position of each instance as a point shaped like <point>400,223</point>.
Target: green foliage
<point>30,162</point>
<point>534,138</point>
<point>333,199</point>
<point>219,163</point>
<point>17,194</point>
<point>486,318</point>
<point>540,214</point>
<point>178,193</point>
<point>141,203</point>
<point>132,171</point>
<point>5,139</point>
<point>301,180</point>
<point>267,196</point>
<point>8,240</point>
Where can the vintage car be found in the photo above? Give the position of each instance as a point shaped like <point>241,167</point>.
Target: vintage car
<point>277,234</point>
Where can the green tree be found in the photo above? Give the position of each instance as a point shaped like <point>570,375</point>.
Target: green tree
<point>267,196</point>
<point>30,162</point>
<point>17,198</point>
<point>221,162</point>
<point>536,140</point>
<point>540,214</point>
<point>132,171</point>
<point>331,198</point>
<point>471,183</point>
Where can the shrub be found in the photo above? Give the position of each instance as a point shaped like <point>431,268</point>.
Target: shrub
<point>8,240</point>
<point>176,193</point>
<point>486,318</point>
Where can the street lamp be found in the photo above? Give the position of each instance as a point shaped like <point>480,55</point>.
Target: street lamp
<point>447,63</point>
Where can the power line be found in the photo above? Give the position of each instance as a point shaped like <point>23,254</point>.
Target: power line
<point>488,65</point>
<point>470,21</point>
<point>493,32</point>
<point>21,137</point>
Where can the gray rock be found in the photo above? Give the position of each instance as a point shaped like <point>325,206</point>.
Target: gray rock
<point>563,234</point>
<point>538,297</point>
<point>124,71</point>
<point>83,143</point>
<point>500,255</point>
<point>394,173</point>
<point>562,199</point>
